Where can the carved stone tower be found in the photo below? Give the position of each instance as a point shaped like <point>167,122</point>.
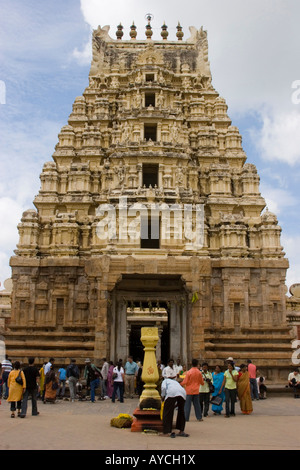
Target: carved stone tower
<point>150,135</point>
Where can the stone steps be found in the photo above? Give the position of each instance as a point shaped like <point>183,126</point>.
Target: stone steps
<point>62,345</point>
<point>279,389</point>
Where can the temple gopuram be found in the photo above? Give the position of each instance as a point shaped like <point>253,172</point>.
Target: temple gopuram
<point>149,214</point>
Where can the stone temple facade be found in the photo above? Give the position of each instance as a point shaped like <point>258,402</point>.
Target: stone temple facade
<point>150,150</point>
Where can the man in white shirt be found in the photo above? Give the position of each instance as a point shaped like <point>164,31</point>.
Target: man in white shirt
<point>6,369</point>
<point>294,382</point>
<point>49,365</point>
<point>173,394</point>
<point>169,371</point>
<point>178,367</point>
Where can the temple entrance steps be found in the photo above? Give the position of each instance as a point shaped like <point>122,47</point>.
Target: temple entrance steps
<point>61,345</point>
<point>269,349</point>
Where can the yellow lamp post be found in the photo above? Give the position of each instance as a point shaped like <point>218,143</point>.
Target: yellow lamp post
<point>150,398</point>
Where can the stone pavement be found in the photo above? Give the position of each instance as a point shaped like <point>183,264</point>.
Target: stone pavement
<point>274,425</point>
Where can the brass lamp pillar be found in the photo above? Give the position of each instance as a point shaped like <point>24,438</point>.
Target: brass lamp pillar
<point>147,415</point>
<point>150,398</point>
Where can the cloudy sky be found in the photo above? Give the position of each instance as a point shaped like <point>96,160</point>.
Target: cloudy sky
<point>254,52</point>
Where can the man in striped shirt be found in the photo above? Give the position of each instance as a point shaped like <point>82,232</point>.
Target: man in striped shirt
<point>6,368</point>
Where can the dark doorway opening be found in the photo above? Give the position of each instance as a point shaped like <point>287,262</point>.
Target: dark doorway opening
<point>150,132</point>
<point>150,231</point>
<point>155,308</point>
<point>165,345</point>
<point>149,77</point>
<point>150,174</point>
<point>136,349</point>
<point>149,99</point>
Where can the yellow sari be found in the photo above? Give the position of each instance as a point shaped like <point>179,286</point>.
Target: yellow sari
<point>244,393</point>
<point>42,379</point>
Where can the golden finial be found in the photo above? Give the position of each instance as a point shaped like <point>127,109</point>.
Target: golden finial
<point>179,33</point>
<point>133,32</point>
<point>119,32</point>
<point>164,33</point>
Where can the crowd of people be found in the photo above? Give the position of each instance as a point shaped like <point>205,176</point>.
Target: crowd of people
<point>49,384</point>
<point>201,388</point>
<point>218,390</point>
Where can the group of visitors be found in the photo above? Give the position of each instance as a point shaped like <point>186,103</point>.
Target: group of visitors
<point>113,381</point>
<point>200,387</point>
<point>178,387</point>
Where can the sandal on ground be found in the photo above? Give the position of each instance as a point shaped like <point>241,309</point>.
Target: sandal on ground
<point>168,435</point>
<point>182,434</point>
<point>12,415</point>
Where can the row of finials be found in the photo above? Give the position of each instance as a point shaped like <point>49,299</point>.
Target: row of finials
<point>164,31</point>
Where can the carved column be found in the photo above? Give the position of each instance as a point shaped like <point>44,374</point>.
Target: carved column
<point>101,341</point>
<point>158,346</point>
<point>227,313</point>
<point>71,302</point>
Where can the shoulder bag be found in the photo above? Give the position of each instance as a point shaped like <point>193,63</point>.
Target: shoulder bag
<point>19,379</point>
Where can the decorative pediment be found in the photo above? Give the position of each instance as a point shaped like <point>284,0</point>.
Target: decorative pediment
<point>42,286</point>
<point>150,56</point>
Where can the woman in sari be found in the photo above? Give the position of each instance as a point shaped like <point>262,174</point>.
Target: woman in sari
<point>51,386</point>
<point>218,377</point>
<point>42,381</point>
<point>110,385</point>
<point>244,392</point>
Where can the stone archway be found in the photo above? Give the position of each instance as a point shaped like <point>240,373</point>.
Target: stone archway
<point>150,300</point>
<point>113,278</point>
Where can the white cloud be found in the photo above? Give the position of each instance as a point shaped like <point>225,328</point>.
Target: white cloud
<point>277,199</point>
<point>112,12</point>
<point>10,215</point>
<point>279,137</point>
<point>5,269</point>
<point>25,148</point>
<point>84,56</point>
<point>291,247</point>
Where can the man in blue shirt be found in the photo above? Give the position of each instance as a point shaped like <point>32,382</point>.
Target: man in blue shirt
<point>131,370</point>
<point>62,382</point>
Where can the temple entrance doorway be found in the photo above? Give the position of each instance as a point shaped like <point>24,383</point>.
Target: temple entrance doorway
<point>141,300</point>
<point>141,315</point>
<point>136,349</point>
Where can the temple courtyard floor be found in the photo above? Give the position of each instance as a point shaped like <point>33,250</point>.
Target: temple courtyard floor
<point>82,425</point>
